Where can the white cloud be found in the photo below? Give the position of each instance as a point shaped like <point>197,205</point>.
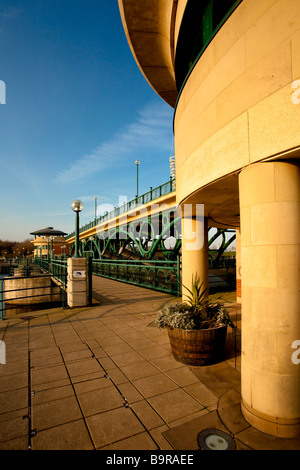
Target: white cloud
<point>152,129</point>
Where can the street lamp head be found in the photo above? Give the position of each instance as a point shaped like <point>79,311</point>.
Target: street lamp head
<point>77,206</point>
<point>137,162</point>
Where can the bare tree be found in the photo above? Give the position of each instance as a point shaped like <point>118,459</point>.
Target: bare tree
<point>10,249</point>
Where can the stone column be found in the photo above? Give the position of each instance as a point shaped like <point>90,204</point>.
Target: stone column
<point>194,246</point>
<point>77,282</point>
<point>270,252</point>
<point>238,267</point>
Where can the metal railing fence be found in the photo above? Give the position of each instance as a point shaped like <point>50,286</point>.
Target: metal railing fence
<point>161,276</point>
<point>59,271</point>
<point>57,268</point>
<point>27,296</point>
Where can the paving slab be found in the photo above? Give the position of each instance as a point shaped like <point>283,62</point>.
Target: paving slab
<point>53,413</point>
<point>175,404</point>
<point>113,426</point>
<point>154,385</point>
<point>69,436</point>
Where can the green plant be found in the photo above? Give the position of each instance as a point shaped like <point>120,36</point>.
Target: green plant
<point>194,313</point>
<point>197,300</point>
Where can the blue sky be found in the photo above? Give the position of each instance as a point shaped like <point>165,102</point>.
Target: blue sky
<point>78,113</point>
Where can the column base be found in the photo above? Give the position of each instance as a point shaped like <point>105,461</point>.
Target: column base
<point>282,428</point>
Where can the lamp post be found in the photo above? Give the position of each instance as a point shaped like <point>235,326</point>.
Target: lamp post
<point>91,239</point>
<point>137,178</point>
<point>82,246</point>
<point>63,251</point>
<point>96,200</point>
<point>51,250</point>
<point>77,207</point>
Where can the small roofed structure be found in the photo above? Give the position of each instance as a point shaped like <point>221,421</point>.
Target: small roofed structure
<point>49,242</point>
<point>48,231</point>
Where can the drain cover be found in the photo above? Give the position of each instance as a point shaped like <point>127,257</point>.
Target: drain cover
<point>215,439</point>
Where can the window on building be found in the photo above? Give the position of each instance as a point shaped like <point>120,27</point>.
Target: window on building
<point>200,22</point>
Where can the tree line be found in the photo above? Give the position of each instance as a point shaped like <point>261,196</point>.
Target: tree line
<point>11,249</point>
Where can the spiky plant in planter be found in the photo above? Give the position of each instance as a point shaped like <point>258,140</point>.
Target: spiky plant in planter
<point>197,328</point>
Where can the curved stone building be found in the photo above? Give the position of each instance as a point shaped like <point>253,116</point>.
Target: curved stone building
<point>231,71</point>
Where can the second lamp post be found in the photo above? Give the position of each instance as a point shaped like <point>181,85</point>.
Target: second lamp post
<point>137,178</point>
<point>77,207</point>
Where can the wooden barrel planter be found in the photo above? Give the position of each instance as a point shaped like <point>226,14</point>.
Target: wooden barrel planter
<point>198,347</point>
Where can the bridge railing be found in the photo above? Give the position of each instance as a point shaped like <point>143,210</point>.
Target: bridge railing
<point>149,196</point>
<point>161,276</point>
<point>57,269</point>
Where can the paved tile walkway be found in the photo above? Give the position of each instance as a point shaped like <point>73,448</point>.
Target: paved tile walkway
<point>103,377</point>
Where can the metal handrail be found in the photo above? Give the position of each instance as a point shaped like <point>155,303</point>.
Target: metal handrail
<point>55,267</point>
<point>162,190</point>
<point>59,271</point>
<point>127,270</point>
<point>8,304</point>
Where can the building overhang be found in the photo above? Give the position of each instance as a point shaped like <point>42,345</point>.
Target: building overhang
<point>147,27</point>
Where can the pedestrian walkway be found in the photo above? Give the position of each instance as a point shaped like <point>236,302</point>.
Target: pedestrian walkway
<point>103,377</point>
